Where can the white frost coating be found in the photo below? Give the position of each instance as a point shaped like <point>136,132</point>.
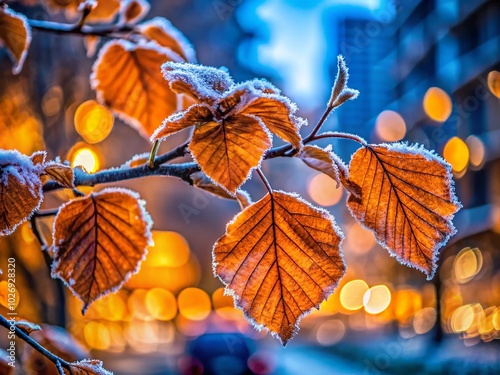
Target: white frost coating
<point>93,365</point>
<point>18,65</point>
<point>264,85</point>
<point>177,116</point>
<point>16,165</point>
<point>171,30</point>
<point>230,292</point>
<point>417,149</point>
<point>129,47</point>
<point>206,83</point>
<point>145,217</point>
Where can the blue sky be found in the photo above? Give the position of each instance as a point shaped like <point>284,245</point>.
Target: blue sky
<point>295,43</point>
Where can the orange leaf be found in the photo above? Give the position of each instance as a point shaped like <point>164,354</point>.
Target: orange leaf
<point>162,32</point>
<point>88,367</point>
<point>20,190</point>
<point>133,11</point>
<point>407,200</point>
<point>127,79</point>
<point>60,173</point>
<point>276,113</point>
<point>15,33</point>
<point>203,83</point>
<point>228,151</point>
<point>321,160</point>
<point>100,241</point>
<point>280,258</point>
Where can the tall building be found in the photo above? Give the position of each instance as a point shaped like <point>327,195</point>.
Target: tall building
<point>363,36</point>
<point>443,65</point>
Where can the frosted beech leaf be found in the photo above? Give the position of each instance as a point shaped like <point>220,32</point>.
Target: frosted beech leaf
<point>15,34</point>
<point>88,367</point>
<point>279,259</point>
<point>196,115</point>
<point>27,327</point>
<point>60,173</point>
<point>228,151</point>
<point>100,241</point>
<point>127,79</point>
<point>20,190</point>
<point>203,83</point>
<point>407,199</point>
<point>321,160</point>
<point>162,32</point>
<point>276,112</point>
<point>133,11</point>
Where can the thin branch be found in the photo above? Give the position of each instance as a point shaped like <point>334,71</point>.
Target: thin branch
<point>85,30</point>
<point>82,178</point>
<point>349,136</point>
<point>319,124</point>
<point>264,180</point>
<point>35,345</point>
<point>45,213</point>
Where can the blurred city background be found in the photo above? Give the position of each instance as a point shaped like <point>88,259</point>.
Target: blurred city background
<point>428,72</point>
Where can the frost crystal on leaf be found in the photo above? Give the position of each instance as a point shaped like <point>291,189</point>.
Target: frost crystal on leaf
<point>112,233</point>
<point>232,122</point>
<point>407,198</point>
<point>20,189</point>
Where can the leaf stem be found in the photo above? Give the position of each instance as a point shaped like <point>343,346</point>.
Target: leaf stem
<point>85,13</point>
<point>152,155</point>
<point>45,213</point>
<point>352,137</point>
<point>35,345</point>
<point>264,180</point>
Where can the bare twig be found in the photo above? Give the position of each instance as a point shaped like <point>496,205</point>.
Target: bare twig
<point>82,178</point>
<point>110,31</point>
